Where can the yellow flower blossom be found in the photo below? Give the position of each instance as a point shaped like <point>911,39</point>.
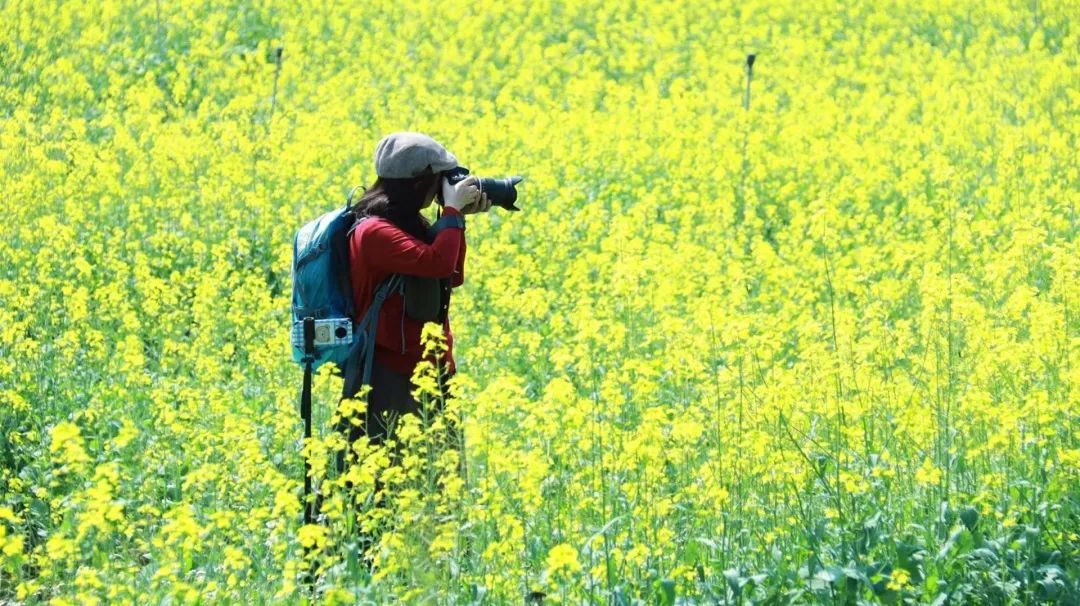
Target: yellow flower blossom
<point>928,474</point>
<point>899,579</point>
<point>562,559</point>
<point>312,535</point>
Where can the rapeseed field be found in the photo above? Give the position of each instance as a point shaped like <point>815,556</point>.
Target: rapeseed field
<point>811,340</point>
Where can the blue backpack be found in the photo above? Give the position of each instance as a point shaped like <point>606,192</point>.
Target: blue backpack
<point>322,294</point>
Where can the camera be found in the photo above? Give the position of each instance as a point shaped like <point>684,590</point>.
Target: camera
<point>331,331</point>
<point>500,190</point>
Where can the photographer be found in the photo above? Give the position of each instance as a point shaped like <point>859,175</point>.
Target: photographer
<point>393,237</point>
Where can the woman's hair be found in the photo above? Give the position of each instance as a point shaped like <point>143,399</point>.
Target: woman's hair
<point>398,201</point>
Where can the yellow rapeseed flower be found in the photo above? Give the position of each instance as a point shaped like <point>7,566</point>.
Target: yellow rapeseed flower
<point>562,560</point>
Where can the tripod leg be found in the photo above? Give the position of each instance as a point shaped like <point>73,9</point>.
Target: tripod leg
<point>309,514</point>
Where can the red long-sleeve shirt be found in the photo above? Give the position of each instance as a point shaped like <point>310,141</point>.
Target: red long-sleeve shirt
<point>377,249</point>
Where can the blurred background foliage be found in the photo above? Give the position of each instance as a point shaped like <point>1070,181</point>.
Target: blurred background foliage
<point>823,350</point>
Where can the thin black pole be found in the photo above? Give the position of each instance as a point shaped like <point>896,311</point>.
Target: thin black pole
<point>305,412</point>
<point>277,74</point>
<point>749,77</point>
<point>740,208</point>
<point>160,31</point>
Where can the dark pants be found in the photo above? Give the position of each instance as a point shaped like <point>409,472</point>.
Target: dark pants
<point>388,400</point>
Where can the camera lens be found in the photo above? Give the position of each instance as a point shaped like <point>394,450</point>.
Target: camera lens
<point>340,332</point>
<point>501,191</point>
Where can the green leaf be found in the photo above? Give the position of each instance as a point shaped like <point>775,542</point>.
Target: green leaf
<point>665,591</point>
<point>829,575</point>
<point>970,517</point>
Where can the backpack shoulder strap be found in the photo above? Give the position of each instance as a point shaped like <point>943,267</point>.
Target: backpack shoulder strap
<point>371,320</point>
<point>355,224</point>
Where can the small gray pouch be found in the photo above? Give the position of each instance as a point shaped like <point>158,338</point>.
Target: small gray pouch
<point>426,299</point>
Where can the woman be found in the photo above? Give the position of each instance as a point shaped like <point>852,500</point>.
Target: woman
<point>392,237</point>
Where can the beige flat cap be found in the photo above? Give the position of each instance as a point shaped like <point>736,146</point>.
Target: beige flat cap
<point>404,154</point>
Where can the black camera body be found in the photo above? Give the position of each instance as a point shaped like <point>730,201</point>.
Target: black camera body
<point>500,190</point>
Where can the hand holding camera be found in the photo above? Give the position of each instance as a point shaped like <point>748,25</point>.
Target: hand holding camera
<point>480,206</point>
<point>465,192</point>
